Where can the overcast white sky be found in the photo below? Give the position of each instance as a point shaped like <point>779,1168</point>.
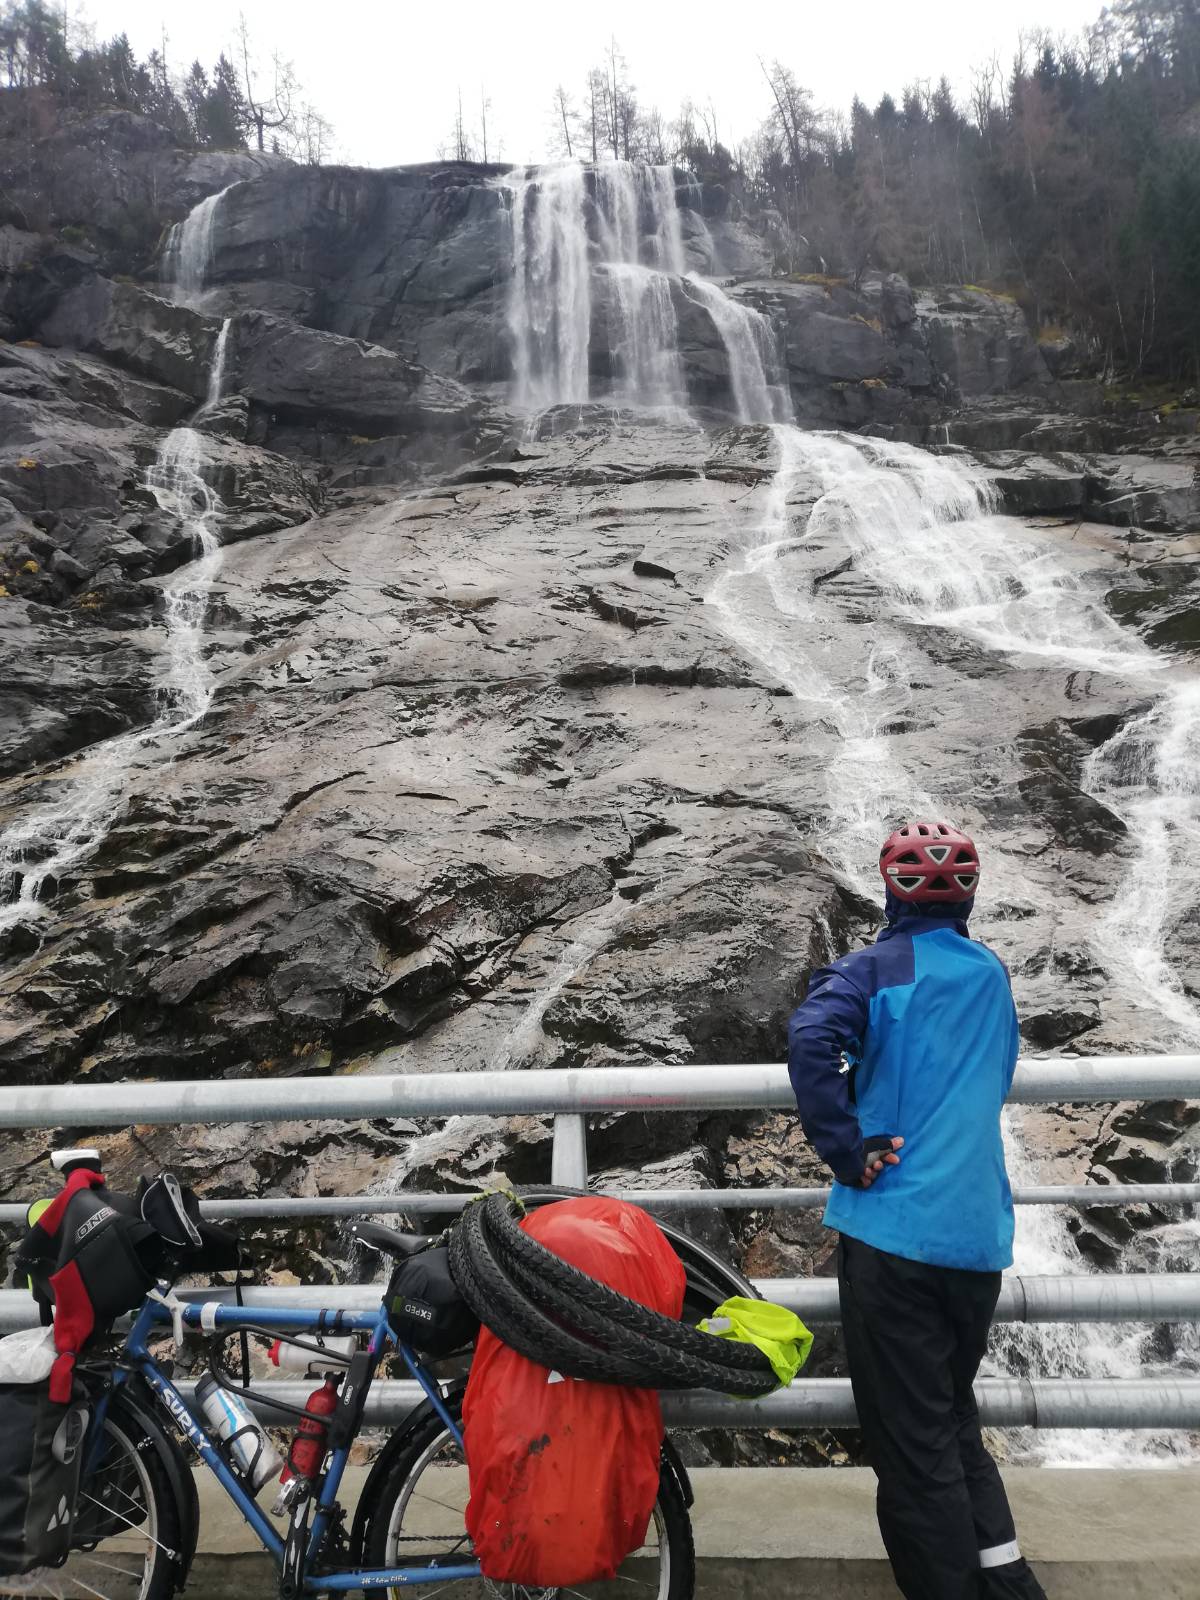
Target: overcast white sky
<point>387,75</point>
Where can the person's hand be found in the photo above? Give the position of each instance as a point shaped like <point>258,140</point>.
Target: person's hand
<point>880,1153</point>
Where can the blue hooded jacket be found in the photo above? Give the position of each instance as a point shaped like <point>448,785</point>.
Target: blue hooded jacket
<point>926,1021</point>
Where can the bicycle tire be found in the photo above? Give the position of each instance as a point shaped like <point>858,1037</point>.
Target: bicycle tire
<point>126,1536</point>
<point>545,1323</point>
<point>520,1324</point>
<point>512,1240</point>
<point>667,1366</point>
<point>380,1548</point>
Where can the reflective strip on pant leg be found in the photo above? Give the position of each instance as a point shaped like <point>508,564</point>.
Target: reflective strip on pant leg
<point>999,1555</point>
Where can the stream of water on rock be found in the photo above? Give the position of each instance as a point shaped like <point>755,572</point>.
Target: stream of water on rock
<point>604,246</point>
<point>188,253</point>
<point>517,1045</point>
<point>921,530</point>
<point>53,839</point>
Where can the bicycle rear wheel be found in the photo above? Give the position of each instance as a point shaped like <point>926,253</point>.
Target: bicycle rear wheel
<point>420,1518</point>
<point>125,1540</point>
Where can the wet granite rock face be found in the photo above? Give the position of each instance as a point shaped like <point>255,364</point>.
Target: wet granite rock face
<point>113,177</point>
<point>141,332</point>
<point>484,780</point>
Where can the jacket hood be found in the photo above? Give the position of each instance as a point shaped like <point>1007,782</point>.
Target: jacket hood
<point>905,912</point>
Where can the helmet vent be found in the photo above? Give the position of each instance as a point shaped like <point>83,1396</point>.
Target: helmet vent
<point>907,883</point>
<point>937,853</point>
<point>966,880</point>
<point>939,883</point>
<point>964,858</point>
<point>910,858</point>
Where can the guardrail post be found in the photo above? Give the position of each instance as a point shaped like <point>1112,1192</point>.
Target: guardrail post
<point>568,1160</point>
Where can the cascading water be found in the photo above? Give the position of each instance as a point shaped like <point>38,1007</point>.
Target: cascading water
<point>216,372</point>
<point>607,241</point>
<point>1149,774</point>
<point>53,839</point>
<point>549,303</point>
<point>920,530</point>
<point>750,351</point>
<point>187,257</point>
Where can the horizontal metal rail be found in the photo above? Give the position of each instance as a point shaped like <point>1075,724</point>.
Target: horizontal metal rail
<point>428,1204</point>
<point>1119,1297</point>
<point>555,1091</point>
<point>828,1403</point>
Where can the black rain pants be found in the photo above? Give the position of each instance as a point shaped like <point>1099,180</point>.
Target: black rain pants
<point>915,1335</point>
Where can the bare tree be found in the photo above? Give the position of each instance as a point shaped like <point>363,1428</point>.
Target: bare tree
<point>462,146</point>
<point>272,112</point>
<point>485,106</point>
<point>597,99</point>
<point>563,115</point>
<point>315,137</point>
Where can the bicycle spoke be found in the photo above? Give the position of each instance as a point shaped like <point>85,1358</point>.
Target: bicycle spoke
<point>96,1562</point>
<point>99,1593</point>
<point>110,1511</point>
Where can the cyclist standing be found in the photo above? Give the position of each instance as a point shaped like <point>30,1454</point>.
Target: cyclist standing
<point>909,1123</point>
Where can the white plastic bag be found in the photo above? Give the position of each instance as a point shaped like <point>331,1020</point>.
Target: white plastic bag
<point>27,1356</point>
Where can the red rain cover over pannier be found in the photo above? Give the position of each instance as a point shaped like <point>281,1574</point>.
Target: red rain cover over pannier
<point>564,1474</point>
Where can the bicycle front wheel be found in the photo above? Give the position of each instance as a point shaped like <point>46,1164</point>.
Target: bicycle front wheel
<point>125,1540</point>
<point>420,1518</point>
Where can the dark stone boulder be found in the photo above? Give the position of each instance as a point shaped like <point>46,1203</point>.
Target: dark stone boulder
<point>412,259</point>
<point>1054,756</point>
<point>838,347</point>
<point>305,375</point>
<point>134,329</point>
<point>979,340</point>
<point>65,683</point>
<point>1145,491</point>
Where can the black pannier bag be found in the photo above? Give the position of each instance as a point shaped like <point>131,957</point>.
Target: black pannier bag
<point>94,1254</point>
<point>41,1450</point>
<point>425,1308</point>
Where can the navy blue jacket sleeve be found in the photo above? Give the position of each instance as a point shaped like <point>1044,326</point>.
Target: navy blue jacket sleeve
<point>831,1019</point>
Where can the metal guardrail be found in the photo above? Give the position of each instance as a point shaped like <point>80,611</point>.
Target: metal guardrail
<point>558,1091</point>
<point>440,1204</point>
<point>828,1403</point>
<point>1120,1297</point>
<point>569,1096</point>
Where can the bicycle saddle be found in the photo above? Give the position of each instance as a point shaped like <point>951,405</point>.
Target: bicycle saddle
<point>388,1242</point>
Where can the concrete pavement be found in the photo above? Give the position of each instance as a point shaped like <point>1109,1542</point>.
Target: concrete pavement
<point>793,1533</point>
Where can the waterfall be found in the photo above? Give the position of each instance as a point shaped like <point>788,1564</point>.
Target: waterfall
<point>216,372</point>
<point>1148,773</point>
<point>643,339</point>
<point>921,530</point>
<point>53,839</point>
<point>187,256</point>
<point>750,350</point>
<point>616,227</point>
<point>549,303</point>
<point>176,480</point>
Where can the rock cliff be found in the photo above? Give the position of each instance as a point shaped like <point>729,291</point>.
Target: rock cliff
<point>510,754</point>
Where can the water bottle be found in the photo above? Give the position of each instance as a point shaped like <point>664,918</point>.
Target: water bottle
<point>308,1446</point>
<point>227,1414</point>
<point>290,1357</point>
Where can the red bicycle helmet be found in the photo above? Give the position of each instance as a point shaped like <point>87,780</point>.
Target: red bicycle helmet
<point>924,862</point>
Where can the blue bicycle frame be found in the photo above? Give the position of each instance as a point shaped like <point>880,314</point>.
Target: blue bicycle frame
<point>138,1359</point>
